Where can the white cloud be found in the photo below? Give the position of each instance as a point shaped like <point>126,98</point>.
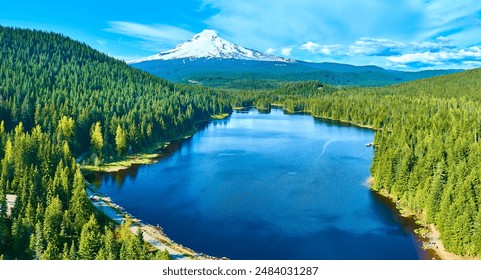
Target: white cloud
<point>341,31</point>
<point>270,51</point>
<point>151,35</point>
<point>465,56</point>
<point>376,47</point>
<point>438,44</point>
<point>472,64</point>
<point>286,51</point>
<point>347,30</point>
<point>437,53</point>
<point>381,47</point>
<point>327,50</point>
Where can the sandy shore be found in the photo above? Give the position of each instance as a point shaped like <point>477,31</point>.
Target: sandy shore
<point>435,244</point>
<point>151,234</point>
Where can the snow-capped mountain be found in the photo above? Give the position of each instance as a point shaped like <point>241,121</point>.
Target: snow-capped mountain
<point>209,60</point>
<point>208,44</point>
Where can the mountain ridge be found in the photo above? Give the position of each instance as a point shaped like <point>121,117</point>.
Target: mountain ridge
<point>245,74</point>
<point>207,44</point>
<point>209,60</point>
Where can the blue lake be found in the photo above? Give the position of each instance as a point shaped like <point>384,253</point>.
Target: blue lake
<point>267,186</point>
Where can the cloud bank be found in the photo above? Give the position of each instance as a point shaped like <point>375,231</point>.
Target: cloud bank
<point>411,33</point>
<point>427,54</point>
<point>466,57</point>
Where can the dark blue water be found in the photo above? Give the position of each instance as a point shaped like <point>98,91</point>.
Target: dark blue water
<point>267,186</point>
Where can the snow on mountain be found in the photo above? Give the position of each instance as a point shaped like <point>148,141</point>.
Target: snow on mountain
<point>208,44</point>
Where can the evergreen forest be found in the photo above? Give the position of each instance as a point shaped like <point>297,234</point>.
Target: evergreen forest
<point>61,100</point>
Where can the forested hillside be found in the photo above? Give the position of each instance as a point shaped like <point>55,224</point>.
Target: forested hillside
<point>59,99</point>
<point>250,74</point>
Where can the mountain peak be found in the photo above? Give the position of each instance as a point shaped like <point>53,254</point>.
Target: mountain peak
<point>208,33</point>
<point>207,44</point>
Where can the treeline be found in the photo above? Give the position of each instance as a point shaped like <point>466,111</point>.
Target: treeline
<point>265,79</point>
<point>263,75</point>
<point>60,99</point>
<point>289,94</point>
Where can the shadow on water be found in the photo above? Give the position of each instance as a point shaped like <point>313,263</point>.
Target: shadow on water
<point>387,211</point>
<point>119,177</point>
<point>242,111</point>
<point>264,111</point>
<point>338,123</point>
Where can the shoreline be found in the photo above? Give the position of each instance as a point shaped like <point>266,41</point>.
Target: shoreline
<point>148,155</point>
<point>154,235</point>
<point>427,234</point>
<point>328,118</point>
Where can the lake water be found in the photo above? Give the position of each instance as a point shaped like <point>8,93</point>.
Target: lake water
<point>267,186</point>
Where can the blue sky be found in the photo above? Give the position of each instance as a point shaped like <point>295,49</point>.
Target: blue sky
<point>394,34</point>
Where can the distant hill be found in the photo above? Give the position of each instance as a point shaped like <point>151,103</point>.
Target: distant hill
<point>235,73</point>
<point>212,61</point>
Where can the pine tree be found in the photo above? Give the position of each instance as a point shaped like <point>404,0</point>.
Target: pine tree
<point>21,239</point>
<point>79,205</point>
<point>52,226</point>
<point>120,140</point>
<point>139,245</point>
<point>435,192</point>
<point>101,255</point>
<point>39,241</point>
<point>477,235</point>
<point>66,130</point>
<point>89,240</point>
<point>52,252</point>
<point>96,138</point>
<point>127,241</point>
<point>65,252</point>
<point>162,255</point>
<point>110,245</point>
<point>4,229</point>
<point>72,254</point>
